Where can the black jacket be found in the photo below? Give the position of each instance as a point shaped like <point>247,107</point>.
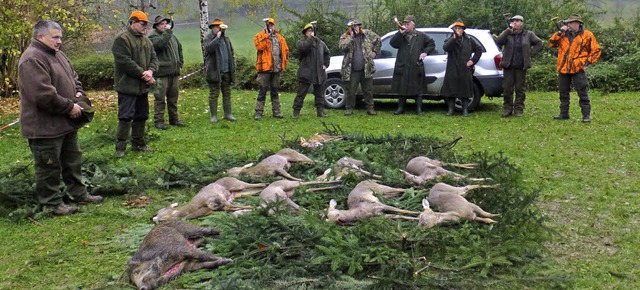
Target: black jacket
<point>314,54</point>
<point>458,78</point>
<point>408,74</point>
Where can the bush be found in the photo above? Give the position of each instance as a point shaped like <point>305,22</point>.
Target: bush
<point>95,71</point>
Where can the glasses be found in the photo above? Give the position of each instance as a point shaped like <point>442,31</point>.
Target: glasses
<point>143,23</point>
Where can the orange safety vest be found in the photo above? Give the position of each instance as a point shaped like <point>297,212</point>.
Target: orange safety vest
<point>574,55</point>
<point>264,59</point>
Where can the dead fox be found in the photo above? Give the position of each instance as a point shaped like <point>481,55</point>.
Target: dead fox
<point>169,250</point>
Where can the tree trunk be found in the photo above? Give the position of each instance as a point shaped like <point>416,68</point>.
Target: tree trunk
<point>204,22</point>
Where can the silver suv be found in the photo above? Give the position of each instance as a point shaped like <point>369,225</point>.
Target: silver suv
<point>487,76</point>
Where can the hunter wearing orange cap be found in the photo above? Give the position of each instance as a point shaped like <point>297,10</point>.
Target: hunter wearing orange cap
<point>273,54</point>
<point>458,78</point>
<point>219,68</point>
<point>577,48</point>
<point>135,64</point>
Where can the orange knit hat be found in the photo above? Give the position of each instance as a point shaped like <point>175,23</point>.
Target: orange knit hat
<point>138,16</point>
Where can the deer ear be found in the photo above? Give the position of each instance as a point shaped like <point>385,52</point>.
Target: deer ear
<point>248,165</point>
<point>174,205</point>
<point>332,203</point>
<point>425,203</point>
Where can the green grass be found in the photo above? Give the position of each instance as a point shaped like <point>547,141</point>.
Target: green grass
<point>241,31</point>
<point>588,174</point>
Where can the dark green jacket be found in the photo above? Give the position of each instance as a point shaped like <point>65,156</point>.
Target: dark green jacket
<point>408,74</point>
<point>169,52</point>
<point>212,58</point>
<point>133,54</point>
<point>458,78</point>
<point>531,45</point>
<point>314,54</point>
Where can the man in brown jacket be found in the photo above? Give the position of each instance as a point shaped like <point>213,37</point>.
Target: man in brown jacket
<point>50,114</point>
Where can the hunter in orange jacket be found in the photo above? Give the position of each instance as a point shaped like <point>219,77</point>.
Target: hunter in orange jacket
<point>575,50</point>
<point>264,60</point>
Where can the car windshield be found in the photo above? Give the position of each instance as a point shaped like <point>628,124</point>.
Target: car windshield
<point>439,37</point>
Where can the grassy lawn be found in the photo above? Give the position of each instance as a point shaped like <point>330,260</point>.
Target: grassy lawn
<point>241,31</point>
<point>588,175</point>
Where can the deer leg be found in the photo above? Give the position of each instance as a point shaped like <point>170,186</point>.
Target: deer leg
<point>474,186</point>
<point>397,216</point>
<point>200,212</point>
<point>286,174</point>
<point>307,183</point>
<point>246,193</point>
<point>324,188</point>
<point>476,209</point>
<point>463,165</point>
<point>398,210</point>
<point>484,220</point>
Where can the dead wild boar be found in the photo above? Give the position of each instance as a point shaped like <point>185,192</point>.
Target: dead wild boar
<point>169,250</point>
<point>274,165</point>
<point>422,169</point>
<point>344,166</point>
<point>213,197</point>
<point>364,204</point>
<point>452,206</point>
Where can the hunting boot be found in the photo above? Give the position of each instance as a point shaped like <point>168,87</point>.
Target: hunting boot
<point>213,108</point>
<point>275,108</point>
<point>402,101</point>
<point>320,112</point>
<point>419,105</point>
<point>122,134</point>
<point>226,107</point>
<point>296,114</point>
<point>137,137</point>
<point>451,103</point>
<point>465,107</point>
<point>259,110</point>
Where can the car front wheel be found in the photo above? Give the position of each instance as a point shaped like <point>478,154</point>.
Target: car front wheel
<point>334,93</point>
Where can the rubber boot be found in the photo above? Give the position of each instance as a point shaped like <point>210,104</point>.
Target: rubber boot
<point>320,112</point>
<point>137,137</point>
<point>122,134</point>
<point>213,108</point>
<point>419,105</point>
<point>451,103</point>
<point>296,114</point>
<point>275,108</point>
<point>259,110</point>
<point>465,107</point>
<point>226,107</point>
<point>402,101</point>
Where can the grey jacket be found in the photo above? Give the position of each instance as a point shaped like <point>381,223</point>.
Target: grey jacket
<point>531,45</point>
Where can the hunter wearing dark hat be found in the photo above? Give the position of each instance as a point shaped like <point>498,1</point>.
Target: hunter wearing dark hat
<point>360,47</point>
<point>220,69</point>
<point>577,48</point>
<point>518,45</point>
<point>463,53</point>
<point>169,52</point>
<point>314,59</point>
<point>408,76</point>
